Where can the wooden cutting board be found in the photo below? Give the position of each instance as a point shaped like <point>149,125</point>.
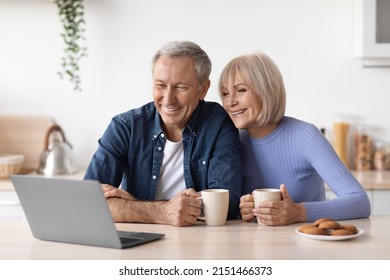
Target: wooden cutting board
<point>24,134</point>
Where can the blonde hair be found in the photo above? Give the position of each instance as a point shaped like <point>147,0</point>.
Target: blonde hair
<point>261,74</point>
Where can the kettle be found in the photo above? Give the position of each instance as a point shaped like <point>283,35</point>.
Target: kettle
<point>57,157</point>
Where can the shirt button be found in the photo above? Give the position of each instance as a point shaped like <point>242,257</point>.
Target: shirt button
<point>204,162</point>
<point>159,148</point>
<point>162,135</point>
<point>154,177</point>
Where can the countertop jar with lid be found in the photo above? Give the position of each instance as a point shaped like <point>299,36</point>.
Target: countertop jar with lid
<point>363,149</point>
<point>386,149</point>
<point>380,156</point>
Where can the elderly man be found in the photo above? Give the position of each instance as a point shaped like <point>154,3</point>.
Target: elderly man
<point>163,153</point>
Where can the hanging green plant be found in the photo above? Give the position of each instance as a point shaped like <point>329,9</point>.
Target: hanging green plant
<point>71,14</point>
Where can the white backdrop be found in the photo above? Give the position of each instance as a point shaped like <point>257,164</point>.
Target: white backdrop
<point>311,41</point>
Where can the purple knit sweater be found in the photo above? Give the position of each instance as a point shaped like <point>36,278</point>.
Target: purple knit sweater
<point>298,155</point>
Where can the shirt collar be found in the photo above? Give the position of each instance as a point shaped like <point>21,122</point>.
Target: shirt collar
<point>192,125</point>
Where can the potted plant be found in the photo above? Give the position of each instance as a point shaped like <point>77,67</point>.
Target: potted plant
<point>71,14</point>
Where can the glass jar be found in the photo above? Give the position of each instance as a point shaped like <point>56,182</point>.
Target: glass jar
<point>340,142</point>
<point>387,155</point>
<point>379,156</point>
<point>363,149</point>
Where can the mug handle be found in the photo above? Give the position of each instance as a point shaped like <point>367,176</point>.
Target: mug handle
<point>202,217</point>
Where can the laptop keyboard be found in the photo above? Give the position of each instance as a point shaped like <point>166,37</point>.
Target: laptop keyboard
<point>128,236</point>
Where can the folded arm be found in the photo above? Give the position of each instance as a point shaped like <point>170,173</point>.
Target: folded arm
<point>182,210</point>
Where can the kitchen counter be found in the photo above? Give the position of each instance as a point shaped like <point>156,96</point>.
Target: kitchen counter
<point>6,185</point>
<point>371,180</point>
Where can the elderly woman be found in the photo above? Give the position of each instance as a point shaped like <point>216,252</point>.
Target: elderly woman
<point>281,151</point>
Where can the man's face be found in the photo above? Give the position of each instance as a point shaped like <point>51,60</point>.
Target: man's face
<point>176,92</point>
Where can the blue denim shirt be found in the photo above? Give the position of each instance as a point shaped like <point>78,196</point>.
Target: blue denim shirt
<point>131,150</point>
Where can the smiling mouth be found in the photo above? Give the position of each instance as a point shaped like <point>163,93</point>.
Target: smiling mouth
<point>237,113</point>
<point>170,110</point>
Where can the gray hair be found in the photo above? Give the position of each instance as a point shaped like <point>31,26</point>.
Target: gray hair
<point>190,50</point>
<point>262,75</point>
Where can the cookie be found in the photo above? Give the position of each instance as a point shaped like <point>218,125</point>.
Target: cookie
<point>305,226</point>
<point>319,221</point>
<point>351,228</point>
<point>314,230</point>
<point>329,225</point>
<point>341,232</point>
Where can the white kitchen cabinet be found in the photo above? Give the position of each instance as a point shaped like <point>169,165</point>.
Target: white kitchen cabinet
<point>372,32</point>
<point>10,208</point>
<point>381,202</point>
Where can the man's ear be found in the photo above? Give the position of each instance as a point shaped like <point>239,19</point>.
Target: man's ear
<point>205,89</point>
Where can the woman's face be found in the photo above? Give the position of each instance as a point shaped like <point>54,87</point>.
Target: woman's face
<point>242,103</point>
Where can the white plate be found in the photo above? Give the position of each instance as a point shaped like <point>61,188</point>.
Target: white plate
<point>330,237</point>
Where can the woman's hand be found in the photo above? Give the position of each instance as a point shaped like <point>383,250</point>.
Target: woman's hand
<point>247,205</point>
<point>277,213</point>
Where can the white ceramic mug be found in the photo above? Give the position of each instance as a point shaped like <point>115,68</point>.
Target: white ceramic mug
<point>261,195</point>
<point>215,206</point>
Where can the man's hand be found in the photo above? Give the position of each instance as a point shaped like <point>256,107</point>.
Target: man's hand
<point>183,209</point>
<point>110,191</point>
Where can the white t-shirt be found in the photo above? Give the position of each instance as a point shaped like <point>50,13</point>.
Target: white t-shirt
<point>171,180</point>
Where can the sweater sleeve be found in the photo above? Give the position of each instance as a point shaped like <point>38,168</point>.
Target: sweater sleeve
<point>352,201</point>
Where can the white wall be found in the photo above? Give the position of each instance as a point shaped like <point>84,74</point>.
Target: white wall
<point>311,41</point>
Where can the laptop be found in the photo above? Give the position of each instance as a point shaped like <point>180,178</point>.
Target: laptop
<point>72,211</point>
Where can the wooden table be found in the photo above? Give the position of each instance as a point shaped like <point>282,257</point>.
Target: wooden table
<point>236,240</point>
